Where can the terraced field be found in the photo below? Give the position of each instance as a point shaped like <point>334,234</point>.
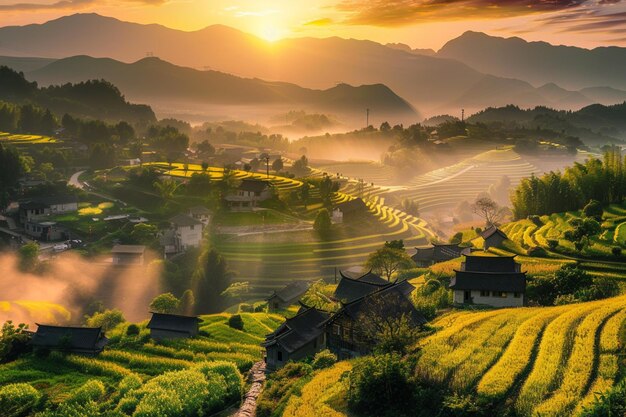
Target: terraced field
<point>369,171</point>
<point>446,187</point>
<point>548,360</point>
<point>545,361</point>
<point>526,235</point>
<point>135,364</point>
<point>33,311</point>
<point>178,170</point>
<point>25,139</point>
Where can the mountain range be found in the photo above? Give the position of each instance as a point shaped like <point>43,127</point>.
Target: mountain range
<point>433,83</point>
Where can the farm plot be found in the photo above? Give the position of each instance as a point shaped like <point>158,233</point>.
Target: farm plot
<point>547,360</point>
<point>14,139</point>
<point>202,373</point>
<point>279,258</point>
<point>446,187</point>
<point>369,171</point>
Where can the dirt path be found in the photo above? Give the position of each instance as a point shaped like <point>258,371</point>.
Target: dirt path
<point>257,378</point>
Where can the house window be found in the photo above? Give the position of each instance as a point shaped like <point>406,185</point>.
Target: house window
<point>346,333</point>
<point>467,295</point>
<point>279,355</point>
<point>336,329</point>
<point>501,294</point>
<point>484,293</point>
<point>258,194</point>
<point>516,295</point>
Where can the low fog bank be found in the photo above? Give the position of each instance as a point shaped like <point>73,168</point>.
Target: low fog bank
<point>74,283</point>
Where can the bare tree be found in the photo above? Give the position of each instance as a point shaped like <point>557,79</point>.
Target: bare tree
<point>489,210</point>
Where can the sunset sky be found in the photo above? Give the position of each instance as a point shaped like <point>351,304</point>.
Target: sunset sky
<point>419,23</point>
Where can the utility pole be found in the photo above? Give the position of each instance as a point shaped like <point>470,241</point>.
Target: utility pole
<point>367,118</point>
<point>462,115</point>
<point>267,165</point>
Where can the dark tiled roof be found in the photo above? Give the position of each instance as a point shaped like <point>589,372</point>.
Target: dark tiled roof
<point>490,231</point>
<point>47,201</point>
<point>299,330</point>
<point>438,253</point>
<point>252,185</point>
<point>82,339</point>
<point>291,291</point>
<point>173,323</point>
<point>394,297</point>
<point>368,277</point>
<point>489,281</point>
<point>350,289</point>
<point>199,210</point>
<point>184,220</point>
<point>490,264</point>
<point>351,206</point>
<point>132,249</point>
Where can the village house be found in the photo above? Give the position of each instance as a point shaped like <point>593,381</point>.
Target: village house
<point>124,255</point>
<point>202,214</point>
<point>45,230</point>
<point>355,285</point>
<point>496,281</point>
<point>349,211</point>
<point>427,256</point>
<point>493,237</point>
<point>249,194</point>
<point>298,337</point>
<point>172,326</point>
<point>185,232</point>
<point>348,331</point>
<point>37,208</point>
<point>82,340</point>
<point>288,295</point>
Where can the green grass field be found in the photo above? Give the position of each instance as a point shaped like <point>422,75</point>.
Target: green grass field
<point>145,363</point>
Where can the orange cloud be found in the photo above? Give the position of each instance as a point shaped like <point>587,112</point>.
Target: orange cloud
<point>408,12</point>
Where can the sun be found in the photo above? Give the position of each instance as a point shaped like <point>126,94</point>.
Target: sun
<point>272,33</point>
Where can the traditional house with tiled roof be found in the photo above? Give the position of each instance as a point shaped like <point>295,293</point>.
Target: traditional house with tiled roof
<point>352,287</point>
<point>493,237</point>
<point>347,334</point>
<point>427,256</point>
<point>288,295</point>
<point>82,340</point>
<point>249,194</point>
<point>172,326</point>
<point>185,232</point>
<point>349,211</point>
<point>128,254</point>
<point>297,338</point>
<point>496,281</point>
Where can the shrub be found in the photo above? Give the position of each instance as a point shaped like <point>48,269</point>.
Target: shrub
<point>14,341</point>
<point>324,359</point>
<point>230,373</point>
<point>611,403</point>
<point>91,390</point>
<point>18,399</point>
<point>537,252</point>
<point>593,209</point>
<point>107,319</point>
<point>553,244</point>
<point>616,251</point>
<point>132,330</point>
<point>381,386</point>
<point>260,308</point>
<point>236,322</point>
<point>165,303</point>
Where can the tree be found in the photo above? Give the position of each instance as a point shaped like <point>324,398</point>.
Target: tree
<point>278,165</point>
<point>187,303</point>
<point>165,303</point>
<point>211,279</point>
<point>489,210</point>
<point>235,322</point>
<point>28,256</point>
<point>145,234</point>
<point>386,261</point>
<point>593,209</point>
<point>199,185</point>
<point>616,251</point>
<point>14,340</point>
<point>322,223</point>
<point>304,193</point>
<point>10,169</point>
<point>166,188</point>
<point>108,319</point>
<point>237,290</point>
<point>384,321</point>
<point>395,244</point>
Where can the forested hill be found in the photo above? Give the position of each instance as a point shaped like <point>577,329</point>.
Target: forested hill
<point>592,123</point>
<point>93,99</point>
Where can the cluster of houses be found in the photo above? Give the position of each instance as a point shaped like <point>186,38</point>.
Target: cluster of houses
<point>92,340</point>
